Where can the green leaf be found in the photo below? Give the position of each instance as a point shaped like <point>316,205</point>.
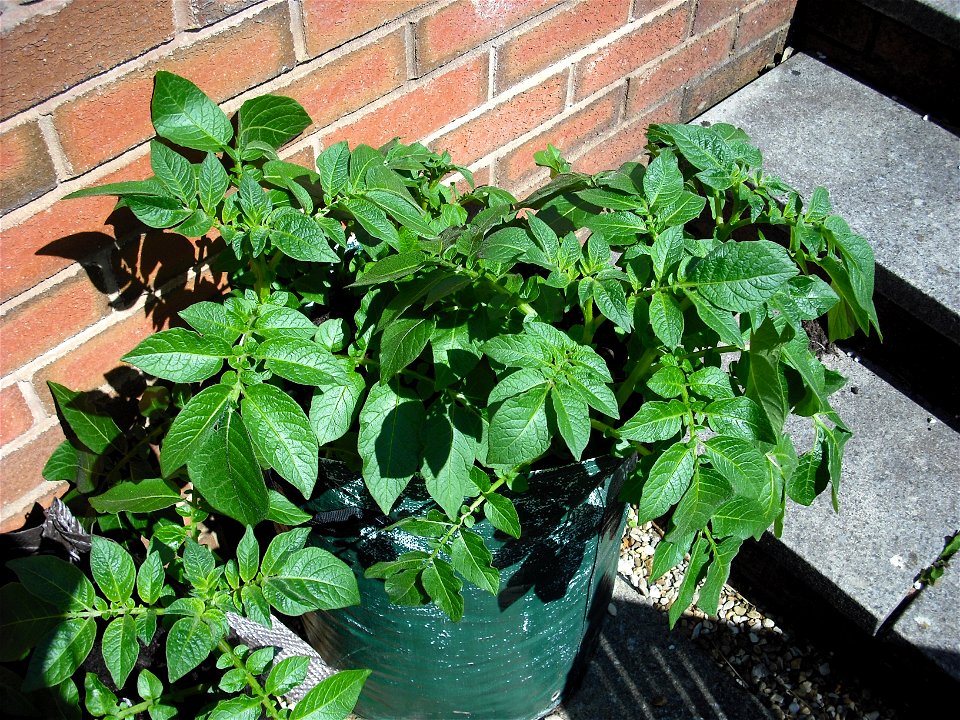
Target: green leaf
<point>708,491</point>
<point>663,182</point>
<point>99,700</point>
<point>281,546</point>
<point>152,186</point>
<point>212,182</point>
<point>112,568</point>
<point>617,228</point>
<point>63,463</point>
<point>392,267</point>
<point>174,171</point>
<point>667,382</point>
<point>656,420</point>
<point>766,383</point>
<point>334,168</point>
<point>287,674</point>
<point>54,581</point>
<point>573,418</point>
<point>443,587</point>
<point>197,225</point>
<point>738,276</point>
<point>402,211</point>
<point>299,236</point>
<point>310,579</point>
<point>698,558</point>
<point>739,462</point>
<point>60,653</point>
<point>282,434</point>
<point>150,578</point>
<point>722,322</point>
<point>502,514</point>
<point>158,211</point>
<point>243,707</point>
<point>681,211</point>
<point>740,517</point>
<point>225,471</point>
<point>333,408</point>
<point>834,440</point>
<point>472,559</point>
<point>516,383</point>
<point>506,245</point>
<point>332,698</point>
<point>704,148</point>
<point>519,431</point>
<point>276,321</point>
<point>666,318</point>
<point>389,441</point>
<point>189,642</point>
<point>666,482</point>
<point>402,342</point>
<point>667,250</point>
<point>612,200</point>
<point>192,426</point>
<point>120,648</point>
<point>717,575</point>
<point>253,200</point>
<point>183,114</point>
<point>214,319</point>
<point>179,355</point>
<point>248,555</point>
<point>301,361</point>
<point>524,351</point>
<point>284,512</point>
<point>612,301</point>
<point>668,555</point>
<point>450,437</point>
<point>592,390</point>
<point>96,432</point>
<point>25,619</point>
<point>270,119</point>
<point>373,220</point>
<point>255,605</point>
<point>739,417</point>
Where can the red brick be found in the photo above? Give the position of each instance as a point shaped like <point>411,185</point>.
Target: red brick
<point>509,120</point>
<point>516,169</point>
<point>628,143</point>
<point>653,38</point>
<point>46,54</point>
<point>739,71</point>
<point>465,24</point>
<point>416,114</point>
<point>32,328</point>
<point>762,18</point>
<point>71,230</point>
<point>15,521</point>
<point>26,170</point>
<point>560,35</point>
<point>20,471</point>
<point>15,415</point>
<point>698,57</point>
<point>303,157</point>
<point>114,117</point>
<point>331,23</point>
<point>352,81</point>
<point>207,12</point>
<point>711,12</point>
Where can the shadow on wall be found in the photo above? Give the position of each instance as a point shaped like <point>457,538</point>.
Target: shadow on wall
<point>145,261</point>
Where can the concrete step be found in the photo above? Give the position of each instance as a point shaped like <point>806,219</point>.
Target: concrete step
<point>895,178</point>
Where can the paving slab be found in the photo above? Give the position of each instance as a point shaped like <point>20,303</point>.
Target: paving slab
<point>893,176</point>
<point>643,671</point>
<point>932,622</point>
<point>899,498</point>
<point>938,19</point>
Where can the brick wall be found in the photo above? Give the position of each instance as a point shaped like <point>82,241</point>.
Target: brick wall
<point>490,80</point>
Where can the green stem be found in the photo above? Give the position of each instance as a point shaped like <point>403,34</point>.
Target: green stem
<point>636,375</point>
<point>269,706</point>
<point>167,698</point>
<point>706,351</point>
<point>471,509</point>
<point>603,427</point>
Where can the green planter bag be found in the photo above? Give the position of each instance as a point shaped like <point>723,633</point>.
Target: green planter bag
<point>511,656</point>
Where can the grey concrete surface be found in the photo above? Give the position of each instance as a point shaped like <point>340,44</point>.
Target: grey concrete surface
<point>899,497</point>
<point>894,177</point>
<point>932,622</point>
<point>642,671</point>
<point>938,19</point>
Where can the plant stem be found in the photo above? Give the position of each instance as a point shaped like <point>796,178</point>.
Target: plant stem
<point>166,698</point>
<point>471,509</point>
<point>636,375</point>
<point>269,706</point>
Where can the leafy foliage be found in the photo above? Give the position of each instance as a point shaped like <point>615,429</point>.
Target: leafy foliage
<point>382,317</point>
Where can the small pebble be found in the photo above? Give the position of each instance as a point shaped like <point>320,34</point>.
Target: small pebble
<point>612,609</point>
